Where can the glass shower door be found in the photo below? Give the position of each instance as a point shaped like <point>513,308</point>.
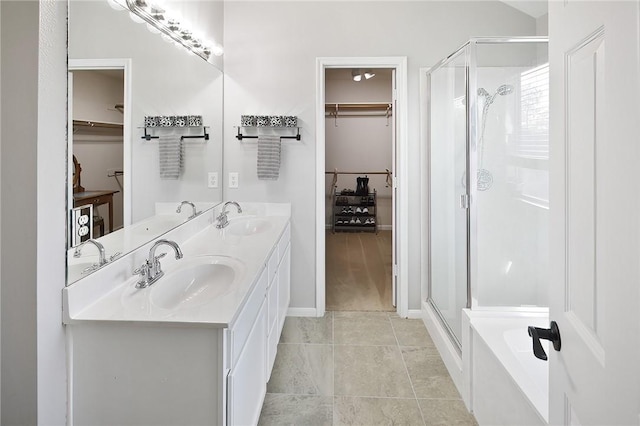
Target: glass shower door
<point>448,192</point>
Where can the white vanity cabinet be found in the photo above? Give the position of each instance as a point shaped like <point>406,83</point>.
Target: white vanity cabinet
<point>250,372</point>
<point>170,371</point>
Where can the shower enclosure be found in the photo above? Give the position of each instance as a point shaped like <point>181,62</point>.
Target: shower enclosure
<point>488,115</point>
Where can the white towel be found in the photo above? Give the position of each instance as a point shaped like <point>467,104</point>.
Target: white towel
<point>268,157</point>
<point>171,154</point>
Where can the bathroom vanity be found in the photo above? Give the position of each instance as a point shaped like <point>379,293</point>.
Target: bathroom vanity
<point>195,347</point>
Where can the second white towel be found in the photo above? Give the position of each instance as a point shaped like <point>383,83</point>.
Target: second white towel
<point>269,149</point>
<point>171,157</point>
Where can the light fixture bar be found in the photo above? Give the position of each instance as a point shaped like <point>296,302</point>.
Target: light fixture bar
<point>158,18</point>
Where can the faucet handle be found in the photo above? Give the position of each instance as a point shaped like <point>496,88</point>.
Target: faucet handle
<point>143,271</point>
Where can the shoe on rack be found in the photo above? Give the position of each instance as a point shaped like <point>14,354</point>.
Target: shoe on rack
<point>358,221</point>
<point>358,210</point>
<point>365,210</point>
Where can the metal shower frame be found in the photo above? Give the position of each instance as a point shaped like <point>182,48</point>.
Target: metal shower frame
<point>469,50</point>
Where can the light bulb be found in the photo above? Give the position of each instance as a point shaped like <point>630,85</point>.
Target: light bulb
<point>217,50</point>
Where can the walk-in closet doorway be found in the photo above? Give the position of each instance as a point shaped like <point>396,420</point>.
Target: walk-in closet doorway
<point>359,133</point>
<point>360,158</point>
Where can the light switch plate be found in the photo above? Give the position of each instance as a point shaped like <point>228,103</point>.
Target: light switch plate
<point>233,179</point>
<point>212,179</point>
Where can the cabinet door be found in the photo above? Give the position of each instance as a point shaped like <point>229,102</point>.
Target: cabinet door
<point>284,282</point>
<point>247,380</point>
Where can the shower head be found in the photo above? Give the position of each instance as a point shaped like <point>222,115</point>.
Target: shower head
<point>505,89</point>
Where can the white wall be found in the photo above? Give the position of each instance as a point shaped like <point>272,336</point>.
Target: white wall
<point>359,143</point>
<point>542,25</point>
<point>19,223</point>
<point>165,81</point>
<point>271,48</point>
<point>33,175</point>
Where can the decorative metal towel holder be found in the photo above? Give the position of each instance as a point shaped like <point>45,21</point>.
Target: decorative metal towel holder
<point>269,121</point>
<point>240,136</point>
<point>179,121</point>
<point>204,136</point>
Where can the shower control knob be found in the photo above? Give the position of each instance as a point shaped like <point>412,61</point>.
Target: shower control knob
<point>552,334</point>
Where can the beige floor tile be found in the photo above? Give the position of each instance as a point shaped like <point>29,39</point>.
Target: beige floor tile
<point>308,330</point>
<point>376,411</point>
<point>411,332</point>
<point>446,412</point>
<point>363,328</point>
<point>311,410</point>
<point>302,369</point>
<point>429,376</point>
<point>370,371</point>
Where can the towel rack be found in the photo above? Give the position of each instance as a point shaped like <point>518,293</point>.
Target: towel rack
<point>205,134</point>
<point>240,136</point>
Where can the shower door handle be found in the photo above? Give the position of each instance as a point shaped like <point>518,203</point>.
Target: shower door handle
<point>464,201</point>
<point>552,334</point>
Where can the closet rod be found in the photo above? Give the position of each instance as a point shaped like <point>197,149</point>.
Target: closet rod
<point>335,173</point>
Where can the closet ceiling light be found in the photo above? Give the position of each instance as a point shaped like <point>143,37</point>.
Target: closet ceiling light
<point>357,76</point>
<point>369,74</point>
<point>171,28</point>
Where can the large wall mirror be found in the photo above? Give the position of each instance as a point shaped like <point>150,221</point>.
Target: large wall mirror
<point>119,73</point>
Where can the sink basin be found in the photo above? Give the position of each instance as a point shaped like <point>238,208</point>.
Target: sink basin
<point>248,226</point>
<point>196,281</point>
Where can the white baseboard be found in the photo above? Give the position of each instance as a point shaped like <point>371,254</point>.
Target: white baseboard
<point>414,314</point>
<point>302,312</point>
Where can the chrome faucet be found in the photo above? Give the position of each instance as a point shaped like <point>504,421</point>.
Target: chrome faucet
<point>194,213</point>
<point>151,269</point>
<point>102,259</point>
<point>222,217</point>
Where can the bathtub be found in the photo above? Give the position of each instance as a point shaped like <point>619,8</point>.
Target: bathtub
<point>509,385</point>
<point>499,379</point>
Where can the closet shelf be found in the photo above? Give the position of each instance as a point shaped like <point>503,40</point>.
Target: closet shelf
<point>355,108</point>
<point>85,124</point>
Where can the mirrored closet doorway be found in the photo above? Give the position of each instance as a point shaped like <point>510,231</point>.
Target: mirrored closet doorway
<point>359,153</point>
<point>96,109</point>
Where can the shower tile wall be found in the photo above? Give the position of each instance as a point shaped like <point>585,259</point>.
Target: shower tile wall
<point>512,261</point>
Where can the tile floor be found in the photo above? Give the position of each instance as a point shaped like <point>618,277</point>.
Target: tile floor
<point>360,368</point>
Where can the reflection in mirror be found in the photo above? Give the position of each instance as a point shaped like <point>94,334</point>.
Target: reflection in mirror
<point>120,73</point>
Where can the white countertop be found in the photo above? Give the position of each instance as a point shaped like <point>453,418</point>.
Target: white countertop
<point>109,295</point>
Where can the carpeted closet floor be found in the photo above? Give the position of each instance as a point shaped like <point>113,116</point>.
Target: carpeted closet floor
<point>358,271</point>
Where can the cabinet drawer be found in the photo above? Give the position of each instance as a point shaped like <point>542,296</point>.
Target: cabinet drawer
<point>243,323</point>
<point>272,264</point>
<point>284,241</point>
<point>272,304</point>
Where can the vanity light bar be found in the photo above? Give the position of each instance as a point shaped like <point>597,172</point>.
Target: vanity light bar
<point>161,19</point>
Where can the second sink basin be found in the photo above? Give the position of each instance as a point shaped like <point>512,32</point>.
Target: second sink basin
<point>248,226</point>
<point>196,281</point>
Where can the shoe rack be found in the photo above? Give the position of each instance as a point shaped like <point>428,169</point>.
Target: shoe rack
<point>354,212</point>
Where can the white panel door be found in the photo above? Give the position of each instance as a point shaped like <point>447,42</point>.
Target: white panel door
<point>595,217</point>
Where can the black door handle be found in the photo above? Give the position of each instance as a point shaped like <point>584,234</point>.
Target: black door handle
<point>552,334</point>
